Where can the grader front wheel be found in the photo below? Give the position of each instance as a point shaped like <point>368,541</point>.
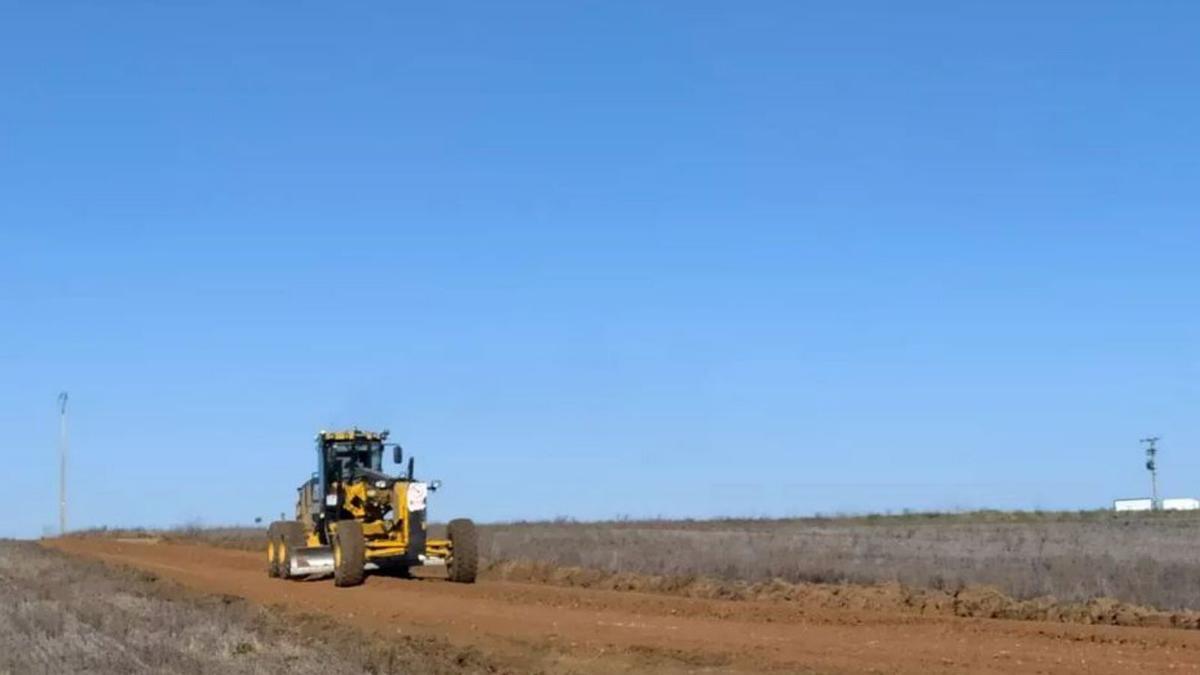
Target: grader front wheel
<point>349,554</point>
<point>464,551</point>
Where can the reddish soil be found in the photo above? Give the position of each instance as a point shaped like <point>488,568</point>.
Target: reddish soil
<point>531,626</point>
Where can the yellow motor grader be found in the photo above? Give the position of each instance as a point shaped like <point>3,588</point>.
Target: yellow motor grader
<point>351,517</point>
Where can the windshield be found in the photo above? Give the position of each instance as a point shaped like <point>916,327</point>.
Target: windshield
<point>361,454</point>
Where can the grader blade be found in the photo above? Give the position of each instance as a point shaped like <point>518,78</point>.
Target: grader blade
<point>311,561</point>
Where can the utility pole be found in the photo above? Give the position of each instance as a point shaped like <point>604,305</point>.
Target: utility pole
<point>62,463</point>
<point>1152,467</point>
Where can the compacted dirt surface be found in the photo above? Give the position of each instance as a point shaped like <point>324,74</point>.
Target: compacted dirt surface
<point>536,627</point>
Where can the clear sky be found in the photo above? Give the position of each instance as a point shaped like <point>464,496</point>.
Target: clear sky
<point>600,258</point>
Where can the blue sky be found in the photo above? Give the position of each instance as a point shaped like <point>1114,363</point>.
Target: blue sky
<point>600,258</point>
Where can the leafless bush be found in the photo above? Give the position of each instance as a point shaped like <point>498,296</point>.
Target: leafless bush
<point>63,615</point>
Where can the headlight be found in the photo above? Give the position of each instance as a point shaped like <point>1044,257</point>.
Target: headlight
<point>381,484</point>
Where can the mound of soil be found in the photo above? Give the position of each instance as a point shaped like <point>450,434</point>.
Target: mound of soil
<point>971,601</point>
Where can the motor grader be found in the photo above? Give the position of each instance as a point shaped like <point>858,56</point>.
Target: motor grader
<point>351,517</point>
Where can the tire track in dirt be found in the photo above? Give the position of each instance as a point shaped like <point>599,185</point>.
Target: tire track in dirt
<point>584,630</point>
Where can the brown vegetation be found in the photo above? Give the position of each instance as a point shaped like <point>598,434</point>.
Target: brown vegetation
<point>62,614</point>
<point>1146,559</point>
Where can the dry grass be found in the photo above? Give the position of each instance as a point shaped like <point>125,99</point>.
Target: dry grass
<point>1147,559</point>
<point>240,538</point>
<point>1142,558</point>
<point>63,615</point>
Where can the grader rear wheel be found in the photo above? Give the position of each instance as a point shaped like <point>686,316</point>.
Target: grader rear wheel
<point>291,537</point>
<point>349,554</point>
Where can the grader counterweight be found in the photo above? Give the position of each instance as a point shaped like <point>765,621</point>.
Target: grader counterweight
<point>352,517</point>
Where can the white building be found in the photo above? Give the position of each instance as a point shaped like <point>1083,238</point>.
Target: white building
<point>1181,504</point>
<point>1139,504</point>
<point>1147,504</point>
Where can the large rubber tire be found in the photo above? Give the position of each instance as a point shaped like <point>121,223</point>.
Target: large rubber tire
<point>273,550</point>
<point>291,537</point>
<point>464,551</point>
<point>349,554</point>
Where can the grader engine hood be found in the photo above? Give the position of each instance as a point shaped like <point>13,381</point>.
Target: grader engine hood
<point>366,498</point>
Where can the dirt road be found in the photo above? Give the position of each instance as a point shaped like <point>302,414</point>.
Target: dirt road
<point>531,626</point>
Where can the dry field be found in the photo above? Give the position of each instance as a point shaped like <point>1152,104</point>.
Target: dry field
<point>61,614</point>
<point>1144,559</point>
<point>605,628</point>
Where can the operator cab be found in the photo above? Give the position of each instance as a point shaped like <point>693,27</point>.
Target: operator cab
<point>345,455</point>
